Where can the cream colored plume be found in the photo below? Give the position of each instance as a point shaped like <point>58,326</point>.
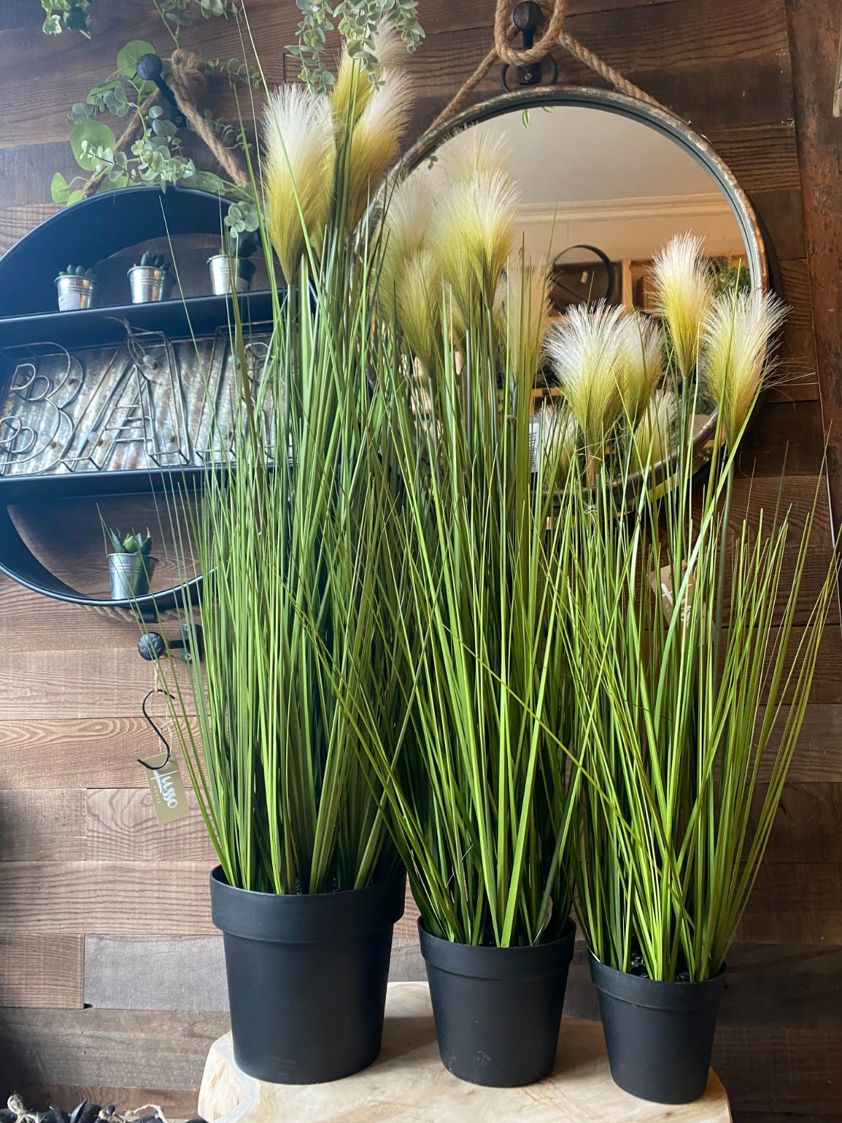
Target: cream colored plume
<point>472,236</point>
<point>641,364</point>
<point>375,141</point>
<point>298,171</point>
<point>524,317</point>
<point>419,307</point>
<point>652,436</point>
<point>553,434</point>
<point>405,227</point>
<point>585,350</point>
<point>683,292</point>
<point>482,150</point>
<point>737,337</point>
<point>355,84</point>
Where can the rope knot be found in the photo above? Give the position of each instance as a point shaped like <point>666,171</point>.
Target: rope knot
<point>554,12</point>
<point>187,74</point>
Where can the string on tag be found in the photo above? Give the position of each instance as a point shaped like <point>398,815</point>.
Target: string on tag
<point>150,721</point>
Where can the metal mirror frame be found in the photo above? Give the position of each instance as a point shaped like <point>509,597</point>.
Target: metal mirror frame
<point>654,117</point>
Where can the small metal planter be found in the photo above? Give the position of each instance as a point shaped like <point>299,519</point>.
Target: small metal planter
<point>75,293</point>
<point>229,275</point>
<point>149,284</point>
<point>130,575</point>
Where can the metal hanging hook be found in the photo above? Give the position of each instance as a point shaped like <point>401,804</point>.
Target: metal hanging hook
<point>150,721</point>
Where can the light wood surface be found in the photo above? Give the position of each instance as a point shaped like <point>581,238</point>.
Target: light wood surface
<point>409,1083</point>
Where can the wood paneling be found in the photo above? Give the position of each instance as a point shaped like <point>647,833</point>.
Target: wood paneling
<point>102,906</point>
<point>41,971</point>
<point>121,825</point>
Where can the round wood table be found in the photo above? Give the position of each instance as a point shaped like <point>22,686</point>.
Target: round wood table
<point>409,1083</point>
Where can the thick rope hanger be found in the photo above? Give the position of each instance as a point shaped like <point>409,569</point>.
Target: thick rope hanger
<point>186,79</point>
<point>555,12</point>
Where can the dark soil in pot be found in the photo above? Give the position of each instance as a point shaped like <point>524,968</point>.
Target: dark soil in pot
<point>497,1010</point>
<point>659,1035</point>
<point>307,977</point>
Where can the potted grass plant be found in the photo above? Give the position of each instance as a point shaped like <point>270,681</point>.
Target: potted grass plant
<point>690,682</point>
<point>289,539</point>
<point>481,801</point>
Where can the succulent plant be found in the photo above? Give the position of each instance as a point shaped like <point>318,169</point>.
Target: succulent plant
<point>153,261</point>
<point>78,271</point>
<point>131,543</point>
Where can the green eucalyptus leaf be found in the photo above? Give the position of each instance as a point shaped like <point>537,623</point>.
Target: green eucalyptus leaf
<point>86,138</point>
<point>59,188</point>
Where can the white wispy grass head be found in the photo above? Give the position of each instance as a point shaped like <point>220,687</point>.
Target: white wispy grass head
<point>641,364</point>
<point>476,151</point>
<point>418,298</point>
<point>584,350</point>
<point>405,227</point>
<point>524,316</point>
<point>355,84</point>
<point>375,140</point>
<point>472,236</point>
<point>737,335</point>
<point>554,432</point>
<point>683,292</point>
<point>652,436</point>
<point>298,171</point>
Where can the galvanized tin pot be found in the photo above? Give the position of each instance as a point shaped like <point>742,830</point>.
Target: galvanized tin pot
<point>75,293</point>
<point>130,575</point>
<point>149,283</point>
<point>229,274</point>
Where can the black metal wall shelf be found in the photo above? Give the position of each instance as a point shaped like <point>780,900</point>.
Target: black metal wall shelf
<point>87,233</point>
<point>177,319</point>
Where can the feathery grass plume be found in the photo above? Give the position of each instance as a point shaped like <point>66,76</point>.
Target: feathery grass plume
<point>419,306</point>
<point>585,350</point>
<point>473,235</point>
<point>474,151</point>
<point>355,84</point>
<point>737,336</point>
<point>651,439</point>
<point>683,292</point>
<point>554,433</point>
<point>405,225</point>
<point>525,314</point>
<point>641,364</point>
<point>375,141</point>
<point>298,171</point>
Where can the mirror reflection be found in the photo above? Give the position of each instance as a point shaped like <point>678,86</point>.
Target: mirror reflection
<point>599,195</point>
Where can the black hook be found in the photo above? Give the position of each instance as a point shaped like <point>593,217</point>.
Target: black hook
<point>153,646</point>
<point>150,68</point>
<point>161,737</point>
<point>527,18</point>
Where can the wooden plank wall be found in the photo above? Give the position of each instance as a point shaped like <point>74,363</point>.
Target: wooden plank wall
<point>110,979</point>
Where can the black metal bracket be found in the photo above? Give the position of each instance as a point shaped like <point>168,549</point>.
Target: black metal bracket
<point>151,69</point>
<point>153,646</point>
<point>527,18</point>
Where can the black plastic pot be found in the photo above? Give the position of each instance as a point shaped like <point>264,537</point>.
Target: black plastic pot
<point>497,1010</point>
<point>306,977</point>
<point>659,1035</point>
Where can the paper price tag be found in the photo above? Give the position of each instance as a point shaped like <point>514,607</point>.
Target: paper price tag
<point>168,796</point>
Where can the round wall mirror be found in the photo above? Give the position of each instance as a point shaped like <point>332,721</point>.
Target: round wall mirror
<point>604,182</point>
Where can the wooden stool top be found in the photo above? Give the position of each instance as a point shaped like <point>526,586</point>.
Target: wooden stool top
<point>408,1083</point>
